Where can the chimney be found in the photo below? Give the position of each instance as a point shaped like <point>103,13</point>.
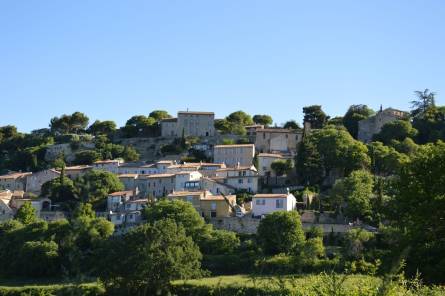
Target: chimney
<point>288,190</point>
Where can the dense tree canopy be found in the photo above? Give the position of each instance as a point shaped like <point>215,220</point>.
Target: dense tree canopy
<point>397,130</point>
<point>326,150</point>
<point>354,114</point>
<point>419,207</point>
<point>140,125</point>
<point>74,123</point>
<point>98,127</point>
<point>315,116</point>
<point>145,260</point>
<point>281,232</point>
<point>354,193</point>
<point>159,115</point>
<point>291,124</point>
<point>95,186</point>
<point>263,119</point>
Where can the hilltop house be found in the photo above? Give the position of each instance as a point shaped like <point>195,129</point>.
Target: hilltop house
<point>280,140</point>
<point>189,123</point>
<point>367,128</point>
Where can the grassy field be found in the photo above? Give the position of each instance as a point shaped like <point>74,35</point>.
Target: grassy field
<point>252,281</point>
<point>301,285</point>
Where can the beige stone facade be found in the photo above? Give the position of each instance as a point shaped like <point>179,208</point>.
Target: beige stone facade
<point>189,123</point>
<point>233,155</point>
<point>269,140</point>
<point>208,205</point>
<point>367,128</point>
<point>158,185</point>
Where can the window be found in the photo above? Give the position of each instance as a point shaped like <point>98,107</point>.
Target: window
<point>244,173</point>
<point>240,181</point>
<point>239,174</point>
<point>279,203</point>
<point>213,214</point>
<point>260,202</point>
<point>213,206</point>
<point>189,198</point>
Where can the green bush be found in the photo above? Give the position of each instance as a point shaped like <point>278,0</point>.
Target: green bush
<point>55,290</point>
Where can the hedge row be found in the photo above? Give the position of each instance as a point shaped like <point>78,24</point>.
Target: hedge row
<point>56,290</point>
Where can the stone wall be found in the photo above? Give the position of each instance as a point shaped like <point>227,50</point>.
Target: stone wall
<point>248,225</point>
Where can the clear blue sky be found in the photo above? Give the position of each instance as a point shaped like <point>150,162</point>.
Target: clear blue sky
<point>114,59</point>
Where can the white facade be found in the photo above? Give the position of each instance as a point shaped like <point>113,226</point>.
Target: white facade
<point>241,178</point>
<point>263,204</point>
<point>183,177</point>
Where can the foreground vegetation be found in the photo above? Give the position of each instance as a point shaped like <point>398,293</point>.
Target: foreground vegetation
<point>325,284</point>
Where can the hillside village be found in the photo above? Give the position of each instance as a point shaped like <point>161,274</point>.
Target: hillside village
<point>354,195</point>
<point>231,166</point>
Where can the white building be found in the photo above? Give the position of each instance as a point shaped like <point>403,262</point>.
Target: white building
<point>263,204</point>
<point>241,177</point>
<point>183,177</point>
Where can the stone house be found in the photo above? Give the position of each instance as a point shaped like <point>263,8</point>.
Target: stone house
<point>280,140</point>
<point>35,181</point>
<point>140,168</point>
<point>263,204</point>
<point>251,131</point>
<point>208,205</point>
<point>265,161</point>
<point>73,172</point>
<point>233,155</point>
<point>367,128</point>
<point>157,185</point>
<point>14,181</point>
<point>243,178</point>
<point>116,200</point>
<point>182,178</point>
<point>111,166</point>
<point>189,123</point>
<point>129,180</point>
<point>6,212</point>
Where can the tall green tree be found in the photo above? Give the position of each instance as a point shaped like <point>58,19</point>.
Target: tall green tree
<point>418,209</point>
<point>424,100</point>
<point>26,214</point>
<point>329,150</point>
<point>354,114</point>
<point>354,194</point>
<point>160,252</point>
<point>183,213</point>
<point>74,123</point>
<point>281,232</point>
<point>94,187</point>
<point>315,116</point>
